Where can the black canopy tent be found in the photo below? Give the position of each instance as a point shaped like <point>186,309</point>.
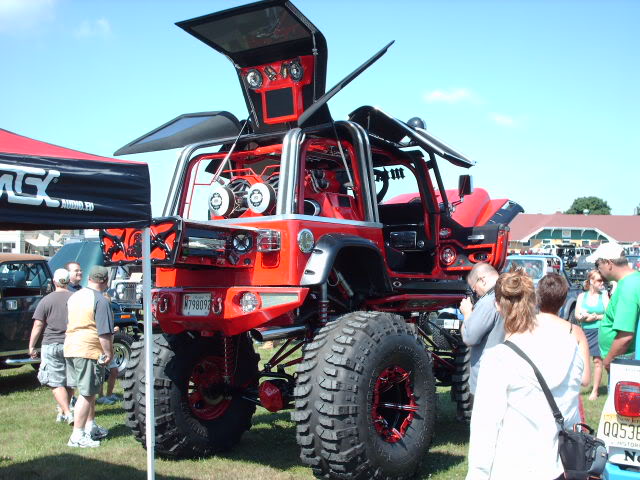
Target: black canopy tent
<point>44,186</point>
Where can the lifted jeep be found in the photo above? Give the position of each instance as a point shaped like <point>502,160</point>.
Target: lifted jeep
<point>278,227</point>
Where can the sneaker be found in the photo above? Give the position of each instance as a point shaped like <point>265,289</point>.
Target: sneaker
<point>60,417</point>
<point>105,401</point>
<point>83,441</point>
<point>68,418</point>
<point>114,397</point>
<point>98,432</point>
<point>72,403</point>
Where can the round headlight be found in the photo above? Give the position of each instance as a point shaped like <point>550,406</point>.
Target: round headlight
<point>249,302</point>
<point>261,197</point>
<point>254,78</point>
<point>242,242</point>
<point>296,71</point>
<point>305,241</point>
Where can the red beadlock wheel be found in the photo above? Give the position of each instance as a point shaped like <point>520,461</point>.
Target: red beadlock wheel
<point>207,393</point>
<point>394,404</point>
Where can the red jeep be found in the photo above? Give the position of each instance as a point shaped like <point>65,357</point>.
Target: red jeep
<point>278,227</point>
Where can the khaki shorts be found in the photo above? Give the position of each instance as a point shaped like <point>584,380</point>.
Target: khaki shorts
<point>88,375</point>
<point>53,371</point>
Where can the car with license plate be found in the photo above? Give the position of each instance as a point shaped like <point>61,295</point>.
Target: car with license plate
<point>620,421</point>
<point>24,280</point>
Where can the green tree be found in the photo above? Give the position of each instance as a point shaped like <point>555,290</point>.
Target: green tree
<point>590,205</point>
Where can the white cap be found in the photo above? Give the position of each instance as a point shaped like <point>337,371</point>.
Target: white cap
<point>61,276</point>
<point>606,251</point>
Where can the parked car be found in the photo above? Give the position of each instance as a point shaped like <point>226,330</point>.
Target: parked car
<point>537,266</point>
<point>24,280</point>
<point>620,421</point>
<point>88,254</point>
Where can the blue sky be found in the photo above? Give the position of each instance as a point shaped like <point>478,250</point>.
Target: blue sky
<point>544,95</point>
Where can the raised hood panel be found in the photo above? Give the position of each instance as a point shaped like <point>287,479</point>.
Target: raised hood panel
<point>269,37</point>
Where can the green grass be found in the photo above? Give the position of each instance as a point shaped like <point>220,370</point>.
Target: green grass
<point>33,446</point>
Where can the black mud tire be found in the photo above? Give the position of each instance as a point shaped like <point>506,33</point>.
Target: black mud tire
<point>334,398</point>
<point>460,390</point>
<point>179,432</point>
<point>122,351</point>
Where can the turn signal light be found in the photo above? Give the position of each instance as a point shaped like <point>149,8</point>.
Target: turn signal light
<point>627,399</point>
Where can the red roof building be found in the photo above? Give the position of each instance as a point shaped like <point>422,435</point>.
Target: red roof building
<point>533,230</point>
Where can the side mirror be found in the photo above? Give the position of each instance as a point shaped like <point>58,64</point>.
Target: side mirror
<point>465,185</point>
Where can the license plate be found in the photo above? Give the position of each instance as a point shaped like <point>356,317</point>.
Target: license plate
<point>619,431</point>
<point>196,304</point>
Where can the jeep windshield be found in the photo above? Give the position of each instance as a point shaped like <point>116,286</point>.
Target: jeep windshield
<point>536,268</point>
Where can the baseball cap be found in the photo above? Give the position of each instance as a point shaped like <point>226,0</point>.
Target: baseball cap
<point>606,251</point>
<point>99,274</point>
<point>61,276</point>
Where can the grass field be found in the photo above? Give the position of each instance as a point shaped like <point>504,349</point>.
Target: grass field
<point>33,446</point>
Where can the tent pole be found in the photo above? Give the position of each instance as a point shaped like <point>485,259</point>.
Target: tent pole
<point>148,354</point>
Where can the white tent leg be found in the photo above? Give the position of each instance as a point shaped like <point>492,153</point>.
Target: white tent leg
<point>150,424</point>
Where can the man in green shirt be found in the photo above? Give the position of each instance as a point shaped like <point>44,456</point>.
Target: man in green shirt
<point>620,323</point>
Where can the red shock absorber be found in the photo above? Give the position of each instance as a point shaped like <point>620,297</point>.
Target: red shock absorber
<point>227,346</point>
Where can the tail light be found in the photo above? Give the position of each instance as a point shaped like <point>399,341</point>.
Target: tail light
<point>627,399</point>
<point>268,241</point>
<point>448,256</point>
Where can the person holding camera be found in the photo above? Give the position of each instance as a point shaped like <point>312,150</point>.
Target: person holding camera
<point>88,347</point>
<point>483,326</point>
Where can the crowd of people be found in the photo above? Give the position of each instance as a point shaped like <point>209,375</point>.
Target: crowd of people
<point>76,324</point>
<point>513,432</point>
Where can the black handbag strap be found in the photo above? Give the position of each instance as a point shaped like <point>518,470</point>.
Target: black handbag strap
<point>545,389</point>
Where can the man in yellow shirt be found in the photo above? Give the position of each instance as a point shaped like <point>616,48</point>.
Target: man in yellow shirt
<point>88,347</point>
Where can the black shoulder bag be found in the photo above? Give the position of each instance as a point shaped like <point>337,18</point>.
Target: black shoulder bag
<point>583,455</point>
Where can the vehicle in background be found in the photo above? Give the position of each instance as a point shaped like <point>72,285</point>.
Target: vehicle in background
<point>620,421</point>
<point>88,254</point>
<point>634,261</point>
<point>537,266</point>
<point>24,280</point>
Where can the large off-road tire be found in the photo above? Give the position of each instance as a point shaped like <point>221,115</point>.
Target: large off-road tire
<point>365,399</point>
<point>195,414</point>
<point>460,391</point>
<point>122,351</point>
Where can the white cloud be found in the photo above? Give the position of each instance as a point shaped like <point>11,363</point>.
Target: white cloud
<point>453,95</point>
<point>95,28</point>
<point>503,120</point>
<point>25,16</point>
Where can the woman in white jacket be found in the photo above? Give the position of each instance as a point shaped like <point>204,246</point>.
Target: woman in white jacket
<point>513,432</point>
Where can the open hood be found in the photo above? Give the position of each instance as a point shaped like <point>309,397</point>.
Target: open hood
<point>383,125</point>
<point>184,130</point>
<point>279,55</point>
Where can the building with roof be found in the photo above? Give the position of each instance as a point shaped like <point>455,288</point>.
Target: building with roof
<point>532,231</point>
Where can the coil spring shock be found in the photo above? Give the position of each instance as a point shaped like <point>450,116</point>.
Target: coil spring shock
<point>227,347</point>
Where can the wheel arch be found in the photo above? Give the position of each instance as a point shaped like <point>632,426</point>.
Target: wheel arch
<point>347,250</point>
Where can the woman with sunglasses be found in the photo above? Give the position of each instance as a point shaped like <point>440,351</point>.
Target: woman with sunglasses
<point>590,308</point>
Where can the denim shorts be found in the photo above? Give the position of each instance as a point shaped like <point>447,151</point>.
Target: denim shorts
<point>88,375</point>
<point>52,372</point>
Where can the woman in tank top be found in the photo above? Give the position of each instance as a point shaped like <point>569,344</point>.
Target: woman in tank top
<point>590,307</point>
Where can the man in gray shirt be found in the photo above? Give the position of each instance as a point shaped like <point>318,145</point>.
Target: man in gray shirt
<point>483,327</point>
